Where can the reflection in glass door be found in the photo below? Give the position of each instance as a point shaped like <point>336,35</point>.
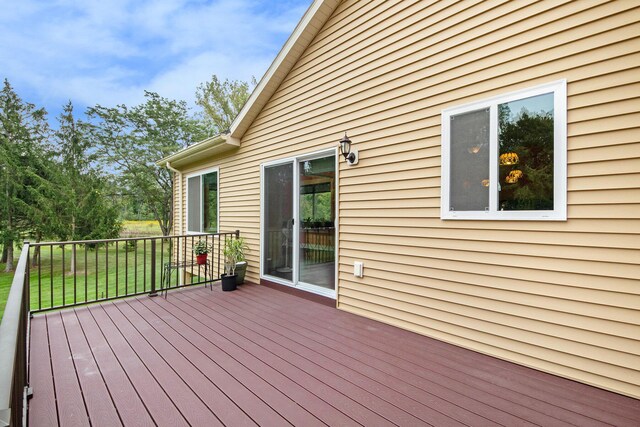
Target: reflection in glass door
<point>278,221</point>
<point>298,222</point>
<point>316,213</point>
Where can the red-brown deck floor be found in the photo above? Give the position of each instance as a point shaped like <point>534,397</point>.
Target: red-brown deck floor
<point>258,356</point>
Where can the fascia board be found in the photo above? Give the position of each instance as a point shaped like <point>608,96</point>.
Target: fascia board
<point>306,30</point>
<point>214,145</point>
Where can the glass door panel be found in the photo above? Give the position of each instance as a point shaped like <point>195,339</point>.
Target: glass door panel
<point>278,219</point>
<point>316,243</point>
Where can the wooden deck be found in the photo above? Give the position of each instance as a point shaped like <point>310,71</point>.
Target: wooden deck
<point>260,356</point>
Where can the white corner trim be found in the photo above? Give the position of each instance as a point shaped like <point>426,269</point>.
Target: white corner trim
<point>180,226</point>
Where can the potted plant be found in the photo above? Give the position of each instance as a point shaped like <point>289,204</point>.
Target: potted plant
<point>241,262</point>
<point>233,252</point>
<point>201,249</point>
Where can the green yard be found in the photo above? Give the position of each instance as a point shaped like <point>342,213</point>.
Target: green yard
<point>125,269</point>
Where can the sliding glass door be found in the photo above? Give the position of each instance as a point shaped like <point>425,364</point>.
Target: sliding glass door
<point>277,258</point>
<point>298,222</point>
<point>317,207</point>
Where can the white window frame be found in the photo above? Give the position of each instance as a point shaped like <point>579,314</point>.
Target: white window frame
<point>200,173</point>
<point>559,213</point>
<point>296,160</point>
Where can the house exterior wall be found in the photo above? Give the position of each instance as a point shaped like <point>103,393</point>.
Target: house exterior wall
<point>559,296</point>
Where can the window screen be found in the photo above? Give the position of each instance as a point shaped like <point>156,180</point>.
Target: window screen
<point>469,161</point>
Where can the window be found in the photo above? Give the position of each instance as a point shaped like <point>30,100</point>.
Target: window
<point>202,202</point>
<point>505,157</point>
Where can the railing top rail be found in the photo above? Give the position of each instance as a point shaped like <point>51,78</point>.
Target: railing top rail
<point>10,328</point>
<point>125,239</point>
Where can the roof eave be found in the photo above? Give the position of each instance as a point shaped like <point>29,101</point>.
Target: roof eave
<point>210,146</point>
<point>313,20</point>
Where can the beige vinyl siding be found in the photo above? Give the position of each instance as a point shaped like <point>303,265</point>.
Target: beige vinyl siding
<point>563,297</point>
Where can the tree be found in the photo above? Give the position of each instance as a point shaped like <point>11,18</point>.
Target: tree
<point>530,136</point>
<point>131,140</point>
<point>86,211</point>
<point>222,101</point>
<point>24,169</point>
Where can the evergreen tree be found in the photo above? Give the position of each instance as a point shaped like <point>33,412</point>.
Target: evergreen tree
<point>530,136</point>
<point>24,169</point>
<point>85,212</point>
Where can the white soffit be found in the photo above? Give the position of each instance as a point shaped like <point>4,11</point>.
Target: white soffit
<point>205,148</point>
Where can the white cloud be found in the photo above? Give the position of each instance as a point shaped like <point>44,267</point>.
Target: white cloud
<point>180,81</point>
<point>109,51</point>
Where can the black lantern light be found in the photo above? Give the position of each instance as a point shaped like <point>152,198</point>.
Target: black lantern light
<point>351,156</point>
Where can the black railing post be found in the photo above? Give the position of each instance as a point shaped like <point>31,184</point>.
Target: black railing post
<point>177,260</point>
<point>153,268</point>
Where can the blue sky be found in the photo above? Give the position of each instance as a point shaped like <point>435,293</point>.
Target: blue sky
<point>109,51</point>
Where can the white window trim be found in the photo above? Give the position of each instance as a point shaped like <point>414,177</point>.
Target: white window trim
<point>215,169</point>
<point>559,89</point>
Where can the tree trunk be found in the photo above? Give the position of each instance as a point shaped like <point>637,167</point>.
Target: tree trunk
<point>163,220</point>
<point>9,266</point>
<point>36,251</point>
<point>5,249</point>
<point>72,267</point>
<point>9,243</point>
<point>166,230</point>
<point>36,256</point>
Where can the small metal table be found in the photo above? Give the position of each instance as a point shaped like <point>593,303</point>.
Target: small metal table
<point>165,279</point>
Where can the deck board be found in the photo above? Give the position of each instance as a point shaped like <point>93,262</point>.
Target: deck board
<point>524,385</point>
<point>396,407</point>
<point>277,406</point>
<point>217,402</point>
<point>99,404</point>
<point>192,409</point>
<point>258,356</point>
<point>435,364</point>
<point>413,372</point>
<point>68,392</point>
<point>44,412</point>
<point>365,406</point>
<point>123,393</point>
<point>158,403</point>
<point>302,384</point>
<point>384,369</point>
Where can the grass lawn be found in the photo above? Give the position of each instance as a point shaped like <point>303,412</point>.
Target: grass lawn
<point>102,275</point>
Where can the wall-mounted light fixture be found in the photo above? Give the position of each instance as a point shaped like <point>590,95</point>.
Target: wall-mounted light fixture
<point>350,155</point>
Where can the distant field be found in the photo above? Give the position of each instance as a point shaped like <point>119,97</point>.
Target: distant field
<point>140,229</point>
